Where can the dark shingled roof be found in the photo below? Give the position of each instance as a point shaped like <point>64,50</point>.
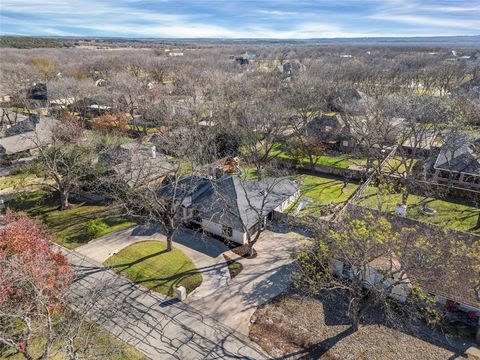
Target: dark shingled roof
<point>232,201</point>
<point>460,154</point>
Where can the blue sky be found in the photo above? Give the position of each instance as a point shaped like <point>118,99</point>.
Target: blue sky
<point>293,19</point>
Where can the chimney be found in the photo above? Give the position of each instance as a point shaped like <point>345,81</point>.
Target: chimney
<point>152,151</point>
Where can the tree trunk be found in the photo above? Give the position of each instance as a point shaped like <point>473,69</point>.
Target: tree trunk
<point>64,195</point>
<point>312,162</point>
<point>170,241</point>
<point>354,313</point>
<point>250,250</point>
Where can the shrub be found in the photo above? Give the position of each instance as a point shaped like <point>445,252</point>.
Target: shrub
<point>95,228</point>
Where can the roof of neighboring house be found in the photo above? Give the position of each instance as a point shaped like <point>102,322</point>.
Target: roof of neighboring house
<point>139,165</point>
<point>42,135</point>
<point>325,126</point>
<point>425,141</point>
<point>460,154</point>
<point>235,202</point>
<point>38,92</point>
<point>459,285</point>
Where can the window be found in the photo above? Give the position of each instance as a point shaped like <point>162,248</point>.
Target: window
<point>227,231</point>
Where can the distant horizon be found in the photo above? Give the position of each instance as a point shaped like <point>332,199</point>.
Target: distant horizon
<point>246,38</point>
<point>246,19</point>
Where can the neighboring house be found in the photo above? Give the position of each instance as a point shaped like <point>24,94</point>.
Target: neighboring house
<point>38,92</point>
<point>423,143</point>
<point>139,165</point>
<point>230,207</point>
<point>245,59</point>
<point>330,129</point>
<point>462,302</point>
<point>34,133</point>
<point>291,67</point>
<point>458,162</point>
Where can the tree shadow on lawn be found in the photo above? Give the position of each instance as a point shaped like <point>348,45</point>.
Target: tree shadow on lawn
<point>126,266</point>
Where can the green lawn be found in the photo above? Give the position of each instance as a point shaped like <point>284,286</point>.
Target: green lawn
<point>147,263</point>
<point>101,345</point>
<point>322,191</point>
<point>17,180</point>
<point>395,165</point>
<point>342,161</point>
<point>68,227</point>
<point>456,215</point>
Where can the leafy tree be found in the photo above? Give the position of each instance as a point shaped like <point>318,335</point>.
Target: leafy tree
<point>33,278</point>
<point>111,124</point>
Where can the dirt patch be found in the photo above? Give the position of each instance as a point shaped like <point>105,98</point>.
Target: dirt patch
<point>294,326</point>
<point>234,267</point>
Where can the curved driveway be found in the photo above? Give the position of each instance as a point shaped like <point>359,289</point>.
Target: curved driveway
<point>205,252</point>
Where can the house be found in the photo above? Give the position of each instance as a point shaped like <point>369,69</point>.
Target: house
<point>423,143</point>
<point>138,165</point>
<point>457,293</point>
<point>291,67</point>
<point>25,139</point>
<point>245,59</point>
<point>231,207</point>
<point>458,162</point>
<point>330,129</point>
<point>38,92</point>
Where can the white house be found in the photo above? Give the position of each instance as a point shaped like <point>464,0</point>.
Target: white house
<point>231,207</point>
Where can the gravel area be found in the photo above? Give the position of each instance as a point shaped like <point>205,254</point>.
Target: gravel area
<point>293,327</point>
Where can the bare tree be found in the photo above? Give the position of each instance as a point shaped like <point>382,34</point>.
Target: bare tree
<point>382,269</point>
<point>65,159</point>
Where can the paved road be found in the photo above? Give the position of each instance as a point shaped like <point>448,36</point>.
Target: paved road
<point>159,327</point>
<point>205,252</point>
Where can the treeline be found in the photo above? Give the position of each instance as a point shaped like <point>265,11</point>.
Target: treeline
<point>28,42</point>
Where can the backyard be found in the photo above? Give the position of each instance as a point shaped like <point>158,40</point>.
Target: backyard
<point>339,160</point>
<point>456,215</point>
<point>74,226</point>
<point>15,181</point>
<point>320,191</point>
<point>149,264</point>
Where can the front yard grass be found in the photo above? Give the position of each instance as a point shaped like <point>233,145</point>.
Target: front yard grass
<point>321,191</point>
<point>149,264</point>
<point>68,227</point>
<point>455,215</point>
<point>101,345</point>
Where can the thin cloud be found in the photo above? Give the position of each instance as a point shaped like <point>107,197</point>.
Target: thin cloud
<point>278,12</point>
<point>277,18</point>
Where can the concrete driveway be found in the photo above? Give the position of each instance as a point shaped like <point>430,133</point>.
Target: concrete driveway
<point>205,252</point>
<point>261,279</point>
<point>229,301</point>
